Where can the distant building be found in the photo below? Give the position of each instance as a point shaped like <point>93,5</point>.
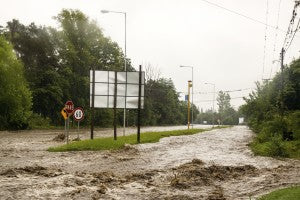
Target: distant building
<point>241,120</point>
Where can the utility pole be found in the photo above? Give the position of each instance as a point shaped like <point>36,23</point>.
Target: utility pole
<point>213,109</point>
<point>281,85</point>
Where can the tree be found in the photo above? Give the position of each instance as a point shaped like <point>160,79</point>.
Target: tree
<point>57,62</point>
<point>273,112</point>
<point>82,46</point>
<point>35,47</point>
<point>226,114</point>
<point>15,97</point>
<point>162,106</point>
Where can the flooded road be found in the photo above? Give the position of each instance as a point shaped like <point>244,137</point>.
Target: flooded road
<point>215,164</point>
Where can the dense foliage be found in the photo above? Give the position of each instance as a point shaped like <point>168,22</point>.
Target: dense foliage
<point>15,97</point>
<point>275,115</point>
<point>57,64</point>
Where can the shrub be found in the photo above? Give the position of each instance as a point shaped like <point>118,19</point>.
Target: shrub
<point>293,121</point>
<point>36,121</point>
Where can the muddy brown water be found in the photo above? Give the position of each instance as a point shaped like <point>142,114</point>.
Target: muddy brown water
<point>215,164</point>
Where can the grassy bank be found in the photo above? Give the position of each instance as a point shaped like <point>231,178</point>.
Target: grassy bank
<point>109,143</point>
<point>276,148</point>
<point>292,193</point>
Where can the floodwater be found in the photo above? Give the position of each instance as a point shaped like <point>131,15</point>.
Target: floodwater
<point>215,164</point>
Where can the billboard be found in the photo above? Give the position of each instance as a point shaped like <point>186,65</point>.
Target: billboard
<point>126,91</point>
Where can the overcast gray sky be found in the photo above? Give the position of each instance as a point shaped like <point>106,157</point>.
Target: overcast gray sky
<point>224,48</point>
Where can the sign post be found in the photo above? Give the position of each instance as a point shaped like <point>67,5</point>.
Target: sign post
<point>64,113</point>
<point>69,107</point>
<point>78,116</point>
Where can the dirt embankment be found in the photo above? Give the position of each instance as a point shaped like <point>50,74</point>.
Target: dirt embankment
<point>211,165</point>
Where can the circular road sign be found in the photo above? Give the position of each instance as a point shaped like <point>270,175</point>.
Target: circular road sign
<point>78,114</point>
<point>69,106</point>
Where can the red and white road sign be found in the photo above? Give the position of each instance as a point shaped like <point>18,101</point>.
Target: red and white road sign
<point>69,106</point>
<point>78,114</point>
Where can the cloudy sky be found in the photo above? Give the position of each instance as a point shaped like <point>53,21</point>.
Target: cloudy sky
<point>224,48</point>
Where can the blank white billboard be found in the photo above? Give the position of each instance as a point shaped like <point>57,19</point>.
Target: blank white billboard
<point>127,89</point>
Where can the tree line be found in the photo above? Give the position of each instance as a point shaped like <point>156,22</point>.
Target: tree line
<point>225,115</point>
<point>273,112</point>
<point>43,67</point>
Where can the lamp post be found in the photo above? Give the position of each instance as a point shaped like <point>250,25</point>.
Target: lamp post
<point>213,101</point>
<point>192,92</point>
<point>125,69</point>
<point>189,105</point>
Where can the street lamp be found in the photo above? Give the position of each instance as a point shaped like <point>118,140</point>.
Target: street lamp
<point>192,92</point>
<point>213,101</point>
<point>125,69</point>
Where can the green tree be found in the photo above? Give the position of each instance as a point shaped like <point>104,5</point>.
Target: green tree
<point>35,47</point>
<point>226,114</point>
<point>15,97</point>
<point>162,106</point>
<point>82,46</point>
<point>263,111</point>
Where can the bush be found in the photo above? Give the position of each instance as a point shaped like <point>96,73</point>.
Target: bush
<point>276,148</point>
<point>293,121</point>
<point>36,121</point>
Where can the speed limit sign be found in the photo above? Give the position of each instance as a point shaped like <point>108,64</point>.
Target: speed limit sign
<point>78,114</point>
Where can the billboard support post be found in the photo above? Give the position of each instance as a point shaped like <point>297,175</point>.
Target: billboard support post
<point>139,106</point>
<point>115,107</point>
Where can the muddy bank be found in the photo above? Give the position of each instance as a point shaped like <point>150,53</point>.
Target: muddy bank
<point>211,165</point>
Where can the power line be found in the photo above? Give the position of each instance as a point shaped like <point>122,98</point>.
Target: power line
<point>275,39</point>
<point>265,43</point>
<point>227,91</point>
<point>297,28</point>
<point>242,15</point>
<point>290,33</point>
<point>215,99</point>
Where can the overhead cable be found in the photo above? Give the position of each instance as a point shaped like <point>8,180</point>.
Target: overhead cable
<point>265,43</point>
<point>242,15</point>
<point>275,39</point>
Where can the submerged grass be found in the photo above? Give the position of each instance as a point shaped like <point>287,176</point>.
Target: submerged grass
<point>292,193</point>
<point>110,144</point>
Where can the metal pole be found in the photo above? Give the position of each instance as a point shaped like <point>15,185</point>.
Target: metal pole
<point>78,130</point>
<point>192,97</point>
<point>125,63</point>
<point>139,106</point>
<point>214,106</point>
<point>189,104</point>
<point>191,85</point>
<point>115,108</point>
<point>93,105</point>
<point>281,95</point>
<point>68,131</point>
<point>125,69</point>
<point>65,128</point>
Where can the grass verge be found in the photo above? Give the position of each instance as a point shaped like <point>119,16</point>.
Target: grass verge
<point>292,193</point>
<point>110,144</point>
<point>276,148</point>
